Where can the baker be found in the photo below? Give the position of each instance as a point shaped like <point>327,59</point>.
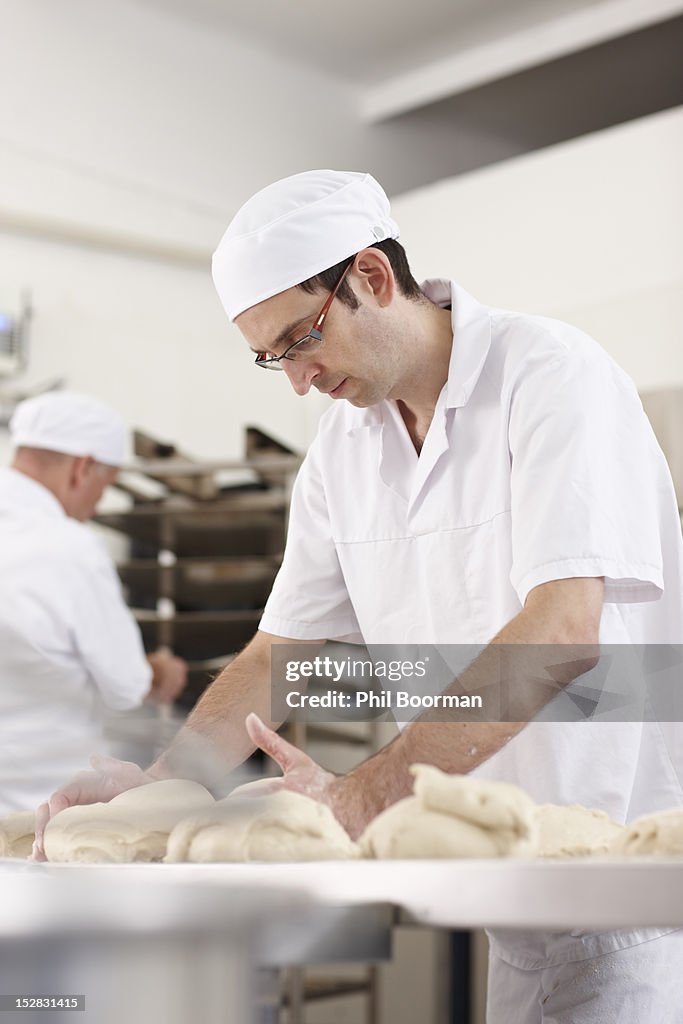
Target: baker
<point>69,646</point>
<point>483,477</point>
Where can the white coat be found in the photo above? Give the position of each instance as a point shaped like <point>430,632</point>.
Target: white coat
<point>69,646</point>
<point>539,465</point>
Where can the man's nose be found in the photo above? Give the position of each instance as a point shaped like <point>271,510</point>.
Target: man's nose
<point>301,374</point>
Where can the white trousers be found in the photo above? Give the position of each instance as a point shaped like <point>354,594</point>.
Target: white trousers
<point>641,984</point>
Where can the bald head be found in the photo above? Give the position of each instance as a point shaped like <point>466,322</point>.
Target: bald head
<point>76,481</point>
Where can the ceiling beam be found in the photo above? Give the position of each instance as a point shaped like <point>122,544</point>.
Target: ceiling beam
<point>513,52</point>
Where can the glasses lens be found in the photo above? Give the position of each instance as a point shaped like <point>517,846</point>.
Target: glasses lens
<point>299,350</point>
<point>305,347</point>
<point>267,362</point>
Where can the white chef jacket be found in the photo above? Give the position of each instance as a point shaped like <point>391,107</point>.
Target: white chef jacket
<point>539,465</point>
<point>69,646</point>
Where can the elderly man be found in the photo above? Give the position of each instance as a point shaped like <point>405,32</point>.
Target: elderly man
<point>69,646</point>
<point>483,478</point>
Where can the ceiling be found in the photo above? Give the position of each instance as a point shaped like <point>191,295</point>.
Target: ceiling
<point>365,42</point>
<point>630,77</point>
<point>476,81</point>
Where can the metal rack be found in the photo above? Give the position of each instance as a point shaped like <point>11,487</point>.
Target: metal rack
<point>203,555</point>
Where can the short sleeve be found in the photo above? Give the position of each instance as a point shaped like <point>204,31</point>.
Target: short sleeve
<point>106,635</point>
<point>587,478</point>
<point>309,600</point>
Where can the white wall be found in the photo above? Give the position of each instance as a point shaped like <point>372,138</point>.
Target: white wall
<point>127,139</point>
<point>124,119</point>
<point>590,231</point>
<point>126,122</point>
<point>152,340</point>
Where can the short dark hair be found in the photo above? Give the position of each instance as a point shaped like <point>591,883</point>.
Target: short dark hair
<point>395,253</point>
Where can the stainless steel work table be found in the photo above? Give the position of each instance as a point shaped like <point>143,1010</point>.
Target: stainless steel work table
<point>512,893</point>
<point>322,912</point>
<point>167,945</point>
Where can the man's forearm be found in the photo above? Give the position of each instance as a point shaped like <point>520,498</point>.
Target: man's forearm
<point>453,746</point>
<point>214,741</point>
<point>362,794</point>
<point>517,673</point>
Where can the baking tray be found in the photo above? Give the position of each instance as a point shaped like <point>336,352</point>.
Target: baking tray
<point>203,584</point>
<point>234,530</point>
<point>198,636</point>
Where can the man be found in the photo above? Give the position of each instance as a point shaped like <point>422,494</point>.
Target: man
<point>69,647</point>
<point>483,478</point>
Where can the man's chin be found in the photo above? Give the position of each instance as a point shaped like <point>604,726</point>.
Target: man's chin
<point>362,401</point>
<point>360,397</point>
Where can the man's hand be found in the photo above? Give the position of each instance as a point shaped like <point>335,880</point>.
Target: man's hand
<point>301,774</point>
<point>109,778</point>
<point>169,677</point>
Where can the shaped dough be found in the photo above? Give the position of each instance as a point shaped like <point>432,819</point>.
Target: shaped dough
<point>17,832</point>
<point>454,816</point>
<point>660,834</point>
<point>408,830</point>
<point>134,826</point>
<point>498,805</point>
<point>282,826</point>
<point>574,831</point>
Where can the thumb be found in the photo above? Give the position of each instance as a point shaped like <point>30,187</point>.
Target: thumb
<point>283,753</point>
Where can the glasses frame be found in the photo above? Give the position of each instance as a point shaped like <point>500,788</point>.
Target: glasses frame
<point>268,362</point>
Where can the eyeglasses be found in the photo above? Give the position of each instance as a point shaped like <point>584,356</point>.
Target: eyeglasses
<point>310,342</point>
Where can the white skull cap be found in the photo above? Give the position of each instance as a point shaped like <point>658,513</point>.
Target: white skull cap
<point>62,421</point>
<point>294,229</point>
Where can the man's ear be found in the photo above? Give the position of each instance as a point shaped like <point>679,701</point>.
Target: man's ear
<point>81,467</point>
<point>376,276</point>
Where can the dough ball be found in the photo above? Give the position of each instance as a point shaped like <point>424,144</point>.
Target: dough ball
<point>134,826</point>
<point>660,834</point>
<point>408,830</point>
<point>574,831</point>
<point>282,826</point>
<point>17,832</point>
<point>454,816</point>
<point>497,805</point>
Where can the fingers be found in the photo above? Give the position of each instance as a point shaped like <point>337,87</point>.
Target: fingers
<point>258,788</point>
<point>102,763</point>
<point>170,679</point>
<point>37,851</point>
<point>63,799</point>
<point>178,679</point>
<point>283,753</point>
<point>109,778</point>
<point>58,802</point>
<point>42,818</point>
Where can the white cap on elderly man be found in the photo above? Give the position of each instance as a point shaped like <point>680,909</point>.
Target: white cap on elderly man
<point>294,229</point>
<point>62,421</point>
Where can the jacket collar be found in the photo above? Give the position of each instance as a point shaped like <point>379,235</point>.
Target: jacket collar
<point>471,338</point>
<point>22,489</point>
<point>471,343</point>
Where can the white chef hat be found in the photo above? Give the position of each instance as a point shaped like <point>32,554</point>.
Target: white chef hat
<point>294,229</point>
<point>62,421</point>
